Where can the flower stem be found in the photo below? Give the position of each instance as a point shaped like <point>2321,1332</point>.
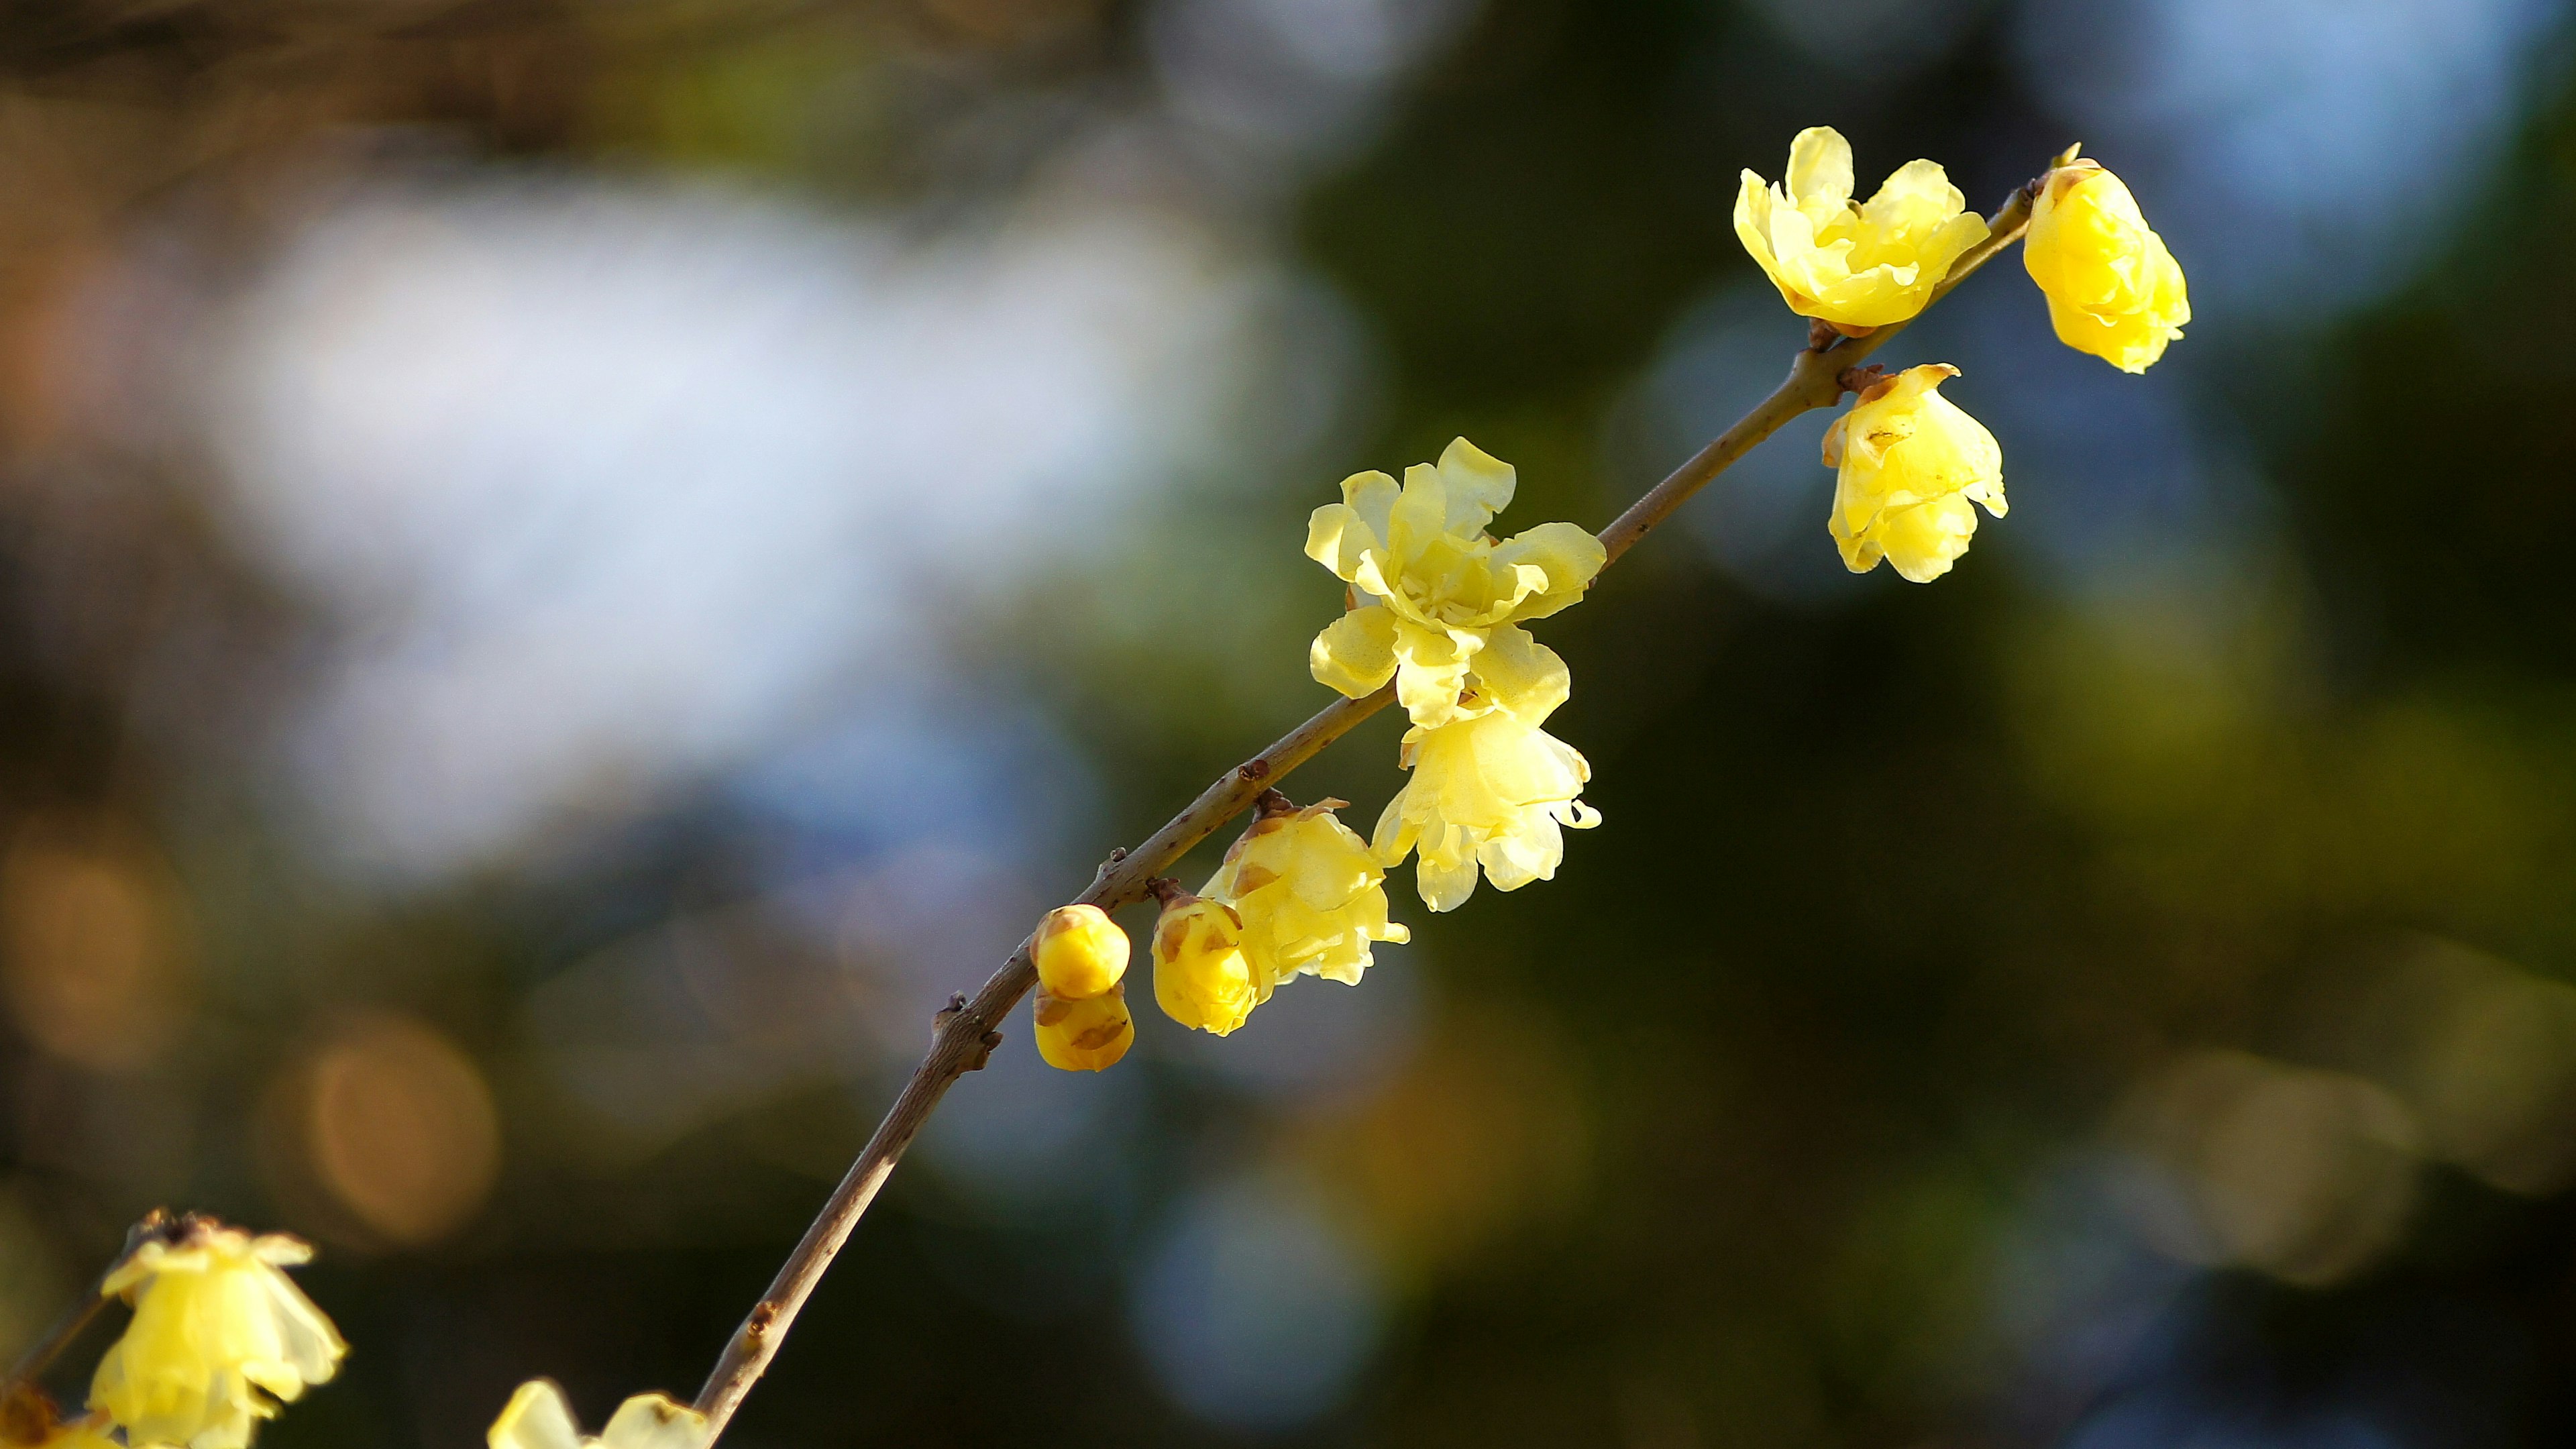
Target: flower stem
<point>963,1035</point>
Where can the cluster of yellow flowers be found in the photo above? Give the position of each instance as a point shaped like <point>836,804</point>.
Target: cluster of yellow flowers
<point>1908,462</point>
<point>1437,605</point>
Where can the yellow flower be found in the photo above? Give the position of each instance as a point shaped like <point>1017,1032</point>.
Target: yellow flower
<point>1489,790</point>
<point>1433,594</point>
<point>220,1338</point>
<point>1201,977</point>
<point>1080,952</point>
<point>1857,266</point>
<point>2113,290</point>
<point>1311,897</point>
<point>1910,462</point>
<point>538,1418</point>
<point>1085,1034</point>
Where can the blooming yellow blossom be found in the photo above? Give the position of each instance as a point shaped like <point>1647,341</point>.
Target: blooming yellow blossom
<point>1080,952</point>
<point>1084,1034</point>
<point>1201,977</point>
<point>1910,461</point>
<point>1311,897</point>
<point>220,1337</point>
<point>1437,601</point>
<point>1491,790</point>
<point>1858,266</point>
<point>538,1418</point>
<point>2113,290</point>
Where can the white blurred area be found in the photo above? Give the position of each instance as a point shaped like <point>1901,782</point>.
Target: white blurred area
<point>2299,154</point>
<point>606,488</point>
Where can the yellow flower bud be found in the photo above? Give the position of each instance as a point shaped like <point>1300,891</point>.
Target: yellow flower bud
<point>1201,977</point>
<point>1910,462</point>
<point>1310,894</point>
<point>219,1339</point>
<point>1085,1035</point>
<point>1859,266</point>
<point>2113,290</point>
<point>1080,952</point>
<point>538,1418</point>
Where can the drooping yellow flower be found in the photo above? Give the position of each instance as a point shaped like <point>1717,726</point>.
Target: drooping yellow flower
<point>1310,894</point>
<point>1910,463</point>
<point>1202,979</point>
<point>538,1418</point>
<point>1080,952</point>
<point>1491,790</point>
<point>1434,593</point>
<point>220,1338</point>
<point>2113,290</point>
<point>1862,265</point>
<point>1084,1034</point>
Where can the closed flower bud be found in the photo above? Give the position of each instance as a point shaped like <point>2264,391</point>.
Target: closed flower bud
<point>538,1418</point>
<point>1311,896</point>
<point>1857,265</point>
<point>220,1337</point>
<point>1201,977</point>
<point>1910,463</point>
<point>1080,952</point>
<point>1085,1035</point>
<point>2113,290</point>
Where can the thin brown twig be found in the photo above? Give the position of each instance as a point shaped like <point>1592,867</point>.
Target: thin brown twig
<point>159,1224</point>
<point>964,1034</point>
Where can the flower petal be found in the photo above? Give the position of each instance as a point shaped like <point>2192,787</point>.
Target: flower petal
<point>1356,652</point>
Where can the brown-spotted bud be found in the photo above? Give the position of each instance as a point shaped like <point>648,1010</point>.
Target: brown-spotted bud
<point>1201,977</point>
<point>1086,1035</point>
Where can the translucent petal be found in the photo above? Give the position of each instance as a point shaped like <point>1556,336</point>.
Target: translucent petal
<point>1355,654</point>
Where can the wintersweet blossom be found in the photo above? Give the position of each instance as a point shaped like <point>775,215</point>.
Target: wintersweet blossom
<point>1079,952</point>
<point>2113,290</point>
<point>219,1339</point>
<point>1858,266</point>
<point>1433,594</point>
<point>1083,1034</point>
<point>538,1418</point>
<point>1311,896</point>
<point>1491,790</point>
<point>1910,463</point>
<point>1202,978</point>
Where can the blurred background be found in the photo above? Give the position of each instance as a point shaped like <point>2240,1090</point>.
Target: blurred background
<point>569,568</point>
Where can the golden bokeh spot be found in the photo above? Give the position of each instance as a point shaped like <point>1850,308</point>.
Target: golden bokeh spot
<point>95,945</point>
<point>2306,1175</point>
<point>396,1127</point>
<point>1481,1133</point>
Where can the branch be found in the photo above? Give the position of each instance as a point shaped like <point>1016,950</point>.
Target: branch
<point>964,1033</point>
<point>158,1225</point>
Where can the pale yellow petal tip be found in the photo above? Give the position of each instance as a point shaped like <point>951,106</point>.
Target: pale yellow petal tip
<point>538,1417</point>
